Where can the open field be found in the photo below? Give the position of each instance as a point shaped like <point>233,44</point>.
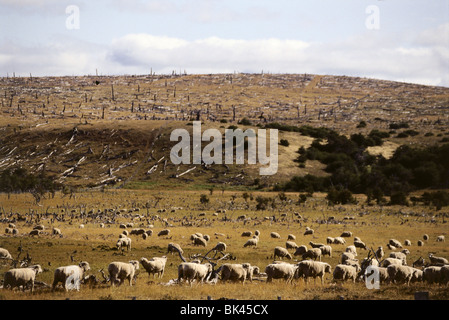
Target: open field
<point>105,140</point>
<point>374,225</point>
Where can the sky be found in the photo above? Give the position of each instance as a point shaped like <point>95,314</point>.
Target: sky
<point>400,40</point>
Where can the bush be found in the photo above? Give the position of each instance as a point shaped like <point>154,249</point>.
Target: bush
<point>284,142</point>
<point>362,124</point>
<point>399,198</point>
<point>342,196</point>
<point>401,125</point>
<point>245,122</point>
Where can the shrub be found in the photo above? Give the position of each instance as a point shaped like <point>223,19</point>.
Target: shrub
<point>284,142</point>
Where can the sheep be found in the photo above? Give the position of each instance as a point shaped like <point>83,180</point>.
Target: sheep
<point>345,272</point>
<point>11,225</point>
<point>21,277</point>
<point>383,273</point>
<point>124,242</point>
<point>326,251</point>
<point>425,237</point>
<point>437,260</point>
<point>281,253</point>
<point>300,250</point>
<point>339,240</point>
<point>137,232</point>
<point>380,253</point>
<point>291,245</point>
<point>120,271</point>
<point>190,271</point>
<point>125,233</point>
<point>432,274</point>
<point>155,266</point>
<point>206,237</point>
<point>251,242</point>
<point>395,243</point>
<point>403,274</point>
<point>352,249</point>
<point>313,253</point>
<point>34,232</point>
<point>291,237</point>
<point>221,246</point>
<point>236,272</point>
<point>4,254</point>
<point>407,243</point>
<point>399,255</point>
<point>40,227</point>
<point>149,233</point>
<point>8,230</point>
<point>275,235</point>
<point>316,245</point>
<point>199,241</point>
<point>389,261</point>
<point>313,269</point>
<point>347,256</point>
<point>164,232</point>
<point>346,234</point>
<point>122,226</point>
<point>440,238</point>
<point>73,273</point>
<point>257,233</point>
<point>247,234</point>
<point>308,231</point>
<point>444,273</point>
<point>174,248</point>
<point>420,243</point>
<point>81,226</point>
<point>282,270</point>
<point>330,240</point>
<point>56,232</point>
<point>359,244</point>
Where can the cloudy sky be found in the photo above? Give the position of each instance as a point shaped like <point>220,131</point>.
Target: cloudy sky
<point>401,40</point>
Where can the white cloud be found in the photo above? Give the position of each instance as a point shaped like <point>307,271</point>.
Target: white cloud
<point>425,60</point>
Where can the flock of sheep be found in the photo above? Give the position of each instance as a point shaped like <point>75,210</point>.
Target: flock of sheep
<point>393,268</point>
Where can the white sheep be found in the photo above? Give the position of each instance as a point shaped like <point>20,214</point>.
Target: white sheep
<point>345,272</point>
<point>403,274</point>
<point>330,240</point>
<point>199,241</point>
<point>291,237</point>
<point>389,261</point>
<point>432,274</point>
<point>380,253</point>
<point>221,246</point>
<point>407,243</point>
<point>120,271</point>
<point>437,260</point>
<point>154,266</point>
<point>444,273</point>
<point>352,249</point>
<point>440,238</point>
<point>251,242</point>
<point>124,243</point>
<point>313,269</point>
<point>291,245</point>
<point>300,250</point>
<point>326,250</point>
<point>56,231</point>
<point>346,234</point>
<point>282,270</point>
<point>308,231</point>
<point>281,253</point>
<point>275,235</point>
<point>247,233</point>
<point>73,273</point>
<point>339,240</point>
<point>420,243</point>
<point>4,254</point>
<point>174,248</point>
<point>21,277</point>
<point>164,232</point>
<point>383,273</point>
<point>347,256</point>
<point>316,245</point>
<point>312,253</point>
<point>236,272</point>
<point>399,255</point>
<point>359,244</point>
<point>190,271</point>
<point>395,243</point>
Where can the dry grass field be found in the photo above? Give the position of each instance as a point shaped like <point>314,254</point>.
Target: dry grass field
<point>106,140</point>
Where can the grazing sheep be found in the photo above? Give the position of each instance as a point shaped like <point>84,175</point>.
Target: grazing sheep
<point>347,256</point>
<point>21,277</point>
<point>281,270</point>
<point>300,250</point>
<point>425,237</point>
<point>75,273</point>
<point>137,232</point>
<point>281,253</point>
<point>199,241</point>
<point>124,243</point>
<point>420,243</point>
<point>383,273</point>
<point>346,234</point>
<point>125,233</point>
<point>190,271</point>
<point>247,234</point>
<point>40,227</point>
<point>316,245</point>
<point>407,243</point>
<point>56,232</point>
<point>34,232</point>
<point>432,274</point>
<point>120,271</point>
<point>330,240</point>
<point>399,255</point>
<point>352,249</point>
<point>359,244</point>
<point>444,273</point>
<point>403,274</point>
<point>122,226</point>
<point>313,253</point>
<point>149,233</point>
<point>389,261</point>
<point>308,231</point>
<point>440,238</point>
<point>251,242</point>
<point>291,237</point>
<point>345,272</point>
<point>174,248</point>
<point>164,232</point>
<point>221,246</point>
<point>339,240</point>
<point>257,233</point>
<point>236,272</point>
<point>8,230</point>
<point>380,253</point>
<point>154,266</point>
<point>291,245</point>
<point>326,251</point>
<point>437,260</point>
<point>313,269</point>
<point>395,243</point>
<point>4,254</point>
<point>275,235</point>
